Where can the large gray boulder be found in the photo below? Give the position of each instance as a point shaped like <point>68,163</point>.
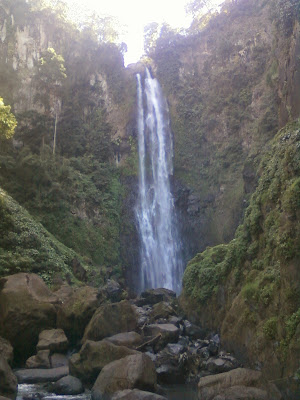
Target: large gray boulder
<point>68,385</point>
<point>41,375</point>
<point>26,308</point>
<point>153,296</point>
<point>214,385</point>
<point>128,339</point>
<point>93,356</point>
<point>54,340</point>
<point>162,310</point>
<point>167,333</point>
<point>243,393</point>
<point>8,381</point>
<point>40,360</point>
<point>110,319</point>
<point>136,394</point>
<point>131,372</point>
<point>76,311</point>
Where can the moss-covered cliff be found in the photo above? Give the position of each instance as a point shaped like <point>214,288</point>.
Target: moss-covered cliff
<point>230,83</point>
<point>67,83</point>
<point>249,289</point>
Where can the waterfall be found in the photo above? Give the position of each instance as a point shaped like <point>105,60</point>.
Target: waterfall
<point>160,249</point>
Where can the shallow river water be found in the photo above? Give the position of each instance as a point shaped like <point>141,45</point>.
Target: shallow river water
<point>41,391</point>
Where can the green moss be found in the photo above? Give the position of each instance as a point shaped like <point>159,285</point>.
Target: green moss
<point>26,246</point>
<point>270,328</point>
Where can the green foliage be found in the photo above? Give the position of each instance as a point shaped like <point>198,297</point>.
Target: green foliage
<point>270,328</point>
<point>25,245</point>
<point>8,121</point>
<point>265,249</point>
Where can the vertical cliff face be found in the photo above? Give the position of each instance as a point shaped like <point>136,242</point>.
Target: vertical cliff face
<point>229,87</point>
<point>79,194</point>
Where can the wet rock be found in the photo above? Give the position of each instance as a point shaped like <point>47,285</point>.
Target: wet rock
<point>153,296</point>
<point>6,350</point>
<point>213,348</point>
<point>68,385</point>
<point>54,340</point>
<point>128,339</point>
<point>4,398</point>
<point>40,360</point>
<point>132,372</point>
<point>110,319</point>
<point>8,381</point>
<point>242,393</point>
<point>193,331</point>
<point>41,375</point>
<point>162,310</point>
<point>27,307</point>
<point>175,320</point>
<point>76,311</point>
<point>211,386</point>
<point>143,315</point>
<point>168,333</point>
<point>93,356</point>
<point>218,365</point>
<point>169,369</point>
<point>136,395</point>
<point>113,291</point>
<point>58,360</point>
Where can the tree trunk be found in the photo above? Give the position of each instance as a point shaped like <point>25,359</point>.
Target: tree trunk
<point>54,138</point>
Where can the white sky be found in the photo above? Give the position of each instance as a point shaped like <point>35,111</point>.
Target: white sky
<point>134,15</point>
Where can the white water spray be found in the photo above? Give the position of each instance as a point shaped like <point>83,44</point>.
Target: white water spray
<point>161,262</point>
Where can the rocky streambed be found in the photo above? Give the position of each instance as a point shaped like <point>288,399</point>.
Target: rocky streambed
<point>86,343</point>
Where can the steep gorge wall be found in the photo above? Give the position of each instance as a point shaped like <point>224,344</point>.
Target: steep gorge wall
<point>230,86</point>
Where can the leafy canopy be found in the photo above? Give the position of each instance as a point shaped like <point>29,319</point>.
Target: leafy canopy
<point>8,121</point>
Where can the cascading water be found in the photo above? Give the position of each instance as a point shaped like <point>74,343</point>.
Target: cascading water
<point>161,262</point>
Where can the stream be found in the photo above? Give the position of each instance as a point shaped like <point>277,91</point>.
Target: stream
<point>40,391</point>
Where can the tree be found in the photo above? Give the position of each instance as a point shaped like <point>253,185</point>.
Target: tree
<point>8,121</point>
<point>151,34</point>
<point>50,76</point>
<point>195,7</point>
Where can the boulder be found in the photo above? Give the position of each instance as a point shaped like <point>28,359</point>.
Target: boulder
<point>112,291</point>
<point>93,356</point>
<point>41,360</point>
<point>41,375</point>
<point>6,350</point>
<point>58,360</point>
<point>54,340</point>
<point>26,308</point>
<point>68,385</point>
<point>162,310</point>
<point>76,311</point>
<point>143,315</point>
<point>131,372</point>
<point>242,393</point>
<point>218,365</point>
<point>153,296</point>
<point>168,333</point>
<point>168,368</point>
<point>4,398</point>
<point>136,394</point>
<point>193,331</point>
<point>211,386</point>
<point>8,381</point>
<point>127,339</point>
<point>110,319</point>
